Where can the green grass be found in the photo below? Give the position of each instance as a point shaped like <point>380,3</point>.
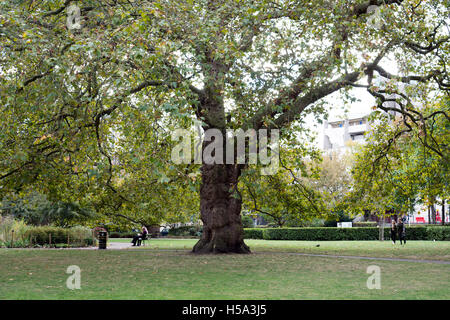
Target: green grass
<point>147,274</point>
<point>439,250</point>
<point>270,273</point>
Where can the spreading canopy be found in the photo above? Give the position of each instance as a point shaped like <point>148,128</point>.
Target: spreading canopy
<point>76,90</point>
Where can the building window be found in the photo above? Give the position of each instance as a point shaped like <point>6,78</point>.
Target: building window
<point>336,125</point>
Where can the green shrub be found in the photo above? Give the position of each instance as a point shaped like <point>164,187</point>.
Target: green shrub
<point>11,229</point>
<point>81,232</point>
<point>47,235</point>
<point>54,236</point>
<point>336,234</point>
<point>438,233</point>
<point>15,244</point>
<point>412,233</point>
<point>321,234</point>
<point>253,233</point>
<point>28,236</point>
<point>189,231</point>
<point>121,234</point>
<point>247,222</point>
<point>35,209</point>
<point>115,235</point>
<point>80,236</point>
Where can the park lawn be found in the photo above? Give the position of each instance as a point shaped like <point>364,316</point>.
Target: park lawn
<point>147,274</point>
<point>439,250</point>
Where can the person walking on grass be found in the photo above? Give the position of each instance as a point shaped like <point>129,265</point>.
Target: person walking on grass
<point>393,231</point>
<point>401,231</point>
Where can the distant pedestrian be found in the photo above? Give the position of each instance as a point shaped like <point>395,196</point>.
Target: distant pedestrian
<point>393,231</point>
<point>401,231</point>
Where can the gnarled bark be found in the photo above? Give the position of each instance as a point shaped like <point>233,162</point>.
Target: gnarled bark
<point>220,209</point>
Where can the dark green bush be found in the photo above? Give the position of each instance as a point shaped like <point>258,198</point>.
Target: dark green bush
<point>15,244</point>
<point>438,233</point>
<point>54,236</point>
<point>321,234</point>
<point>336,234</point>
<point>253,233</point>
<point>121,234</point>
<point>35,209</point>
<point>45,235</point>
<point>89,241</point>
<point>190,231</point>
<point>247,222</point>
<point>412,233</point>
<point>115,235</point>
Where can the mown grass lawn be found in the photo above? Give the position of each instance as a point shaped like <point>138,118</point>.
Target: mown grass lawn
<point>439,250</point>
<point>177,274</point>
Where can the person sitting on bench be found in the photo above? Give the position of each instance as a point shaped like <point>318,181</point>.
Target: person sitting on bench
<point>140,236</point>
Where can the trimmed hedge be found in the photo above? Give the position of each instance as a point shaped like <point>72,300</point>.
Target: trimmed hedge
<point>316,234</point>
<point>77,236</point>
<point>253,233</point>
<point>116,234</point>
<point>186,231</point>
<point>438,233</point>
<point>335,234</point>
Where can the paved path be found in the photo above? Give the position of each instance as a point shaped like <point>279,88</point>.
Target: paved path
<point>120,245</point>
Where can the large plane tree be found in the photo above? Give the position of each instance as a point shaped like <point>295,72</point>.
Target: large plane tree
<point>80,78</point>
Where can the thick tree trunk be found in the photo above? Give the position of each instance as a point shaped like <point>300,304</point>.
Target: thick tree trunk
<point>220,202</point>
<point>381,229</point>
<point>220,209</point>
<point>433,214</point>
<point>153,230</point>
<point>443,212</point>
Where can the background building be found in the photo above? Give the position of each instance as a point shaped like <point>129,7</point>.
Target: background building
<point>336,137</point>
<point>337,133</point>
